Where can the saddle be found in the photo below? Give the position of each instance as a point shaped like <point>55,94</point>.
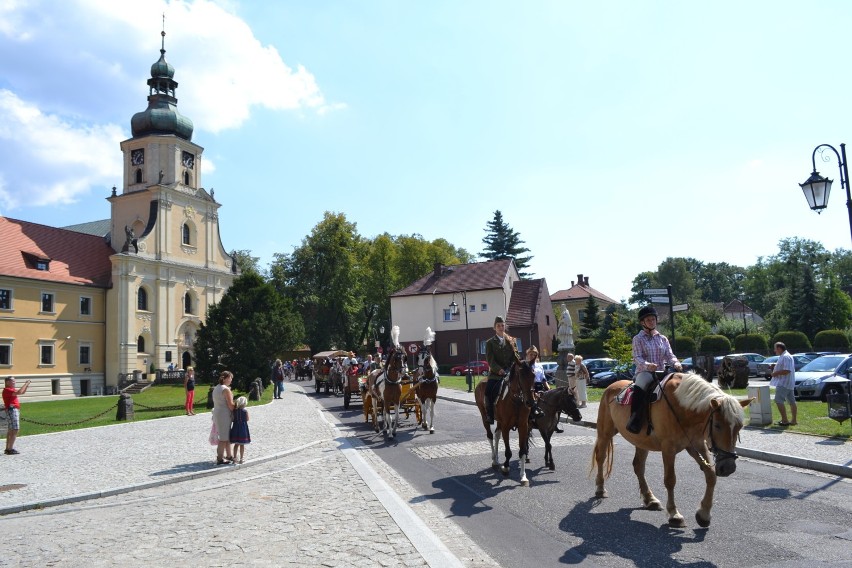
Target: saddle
<point>625,396</point>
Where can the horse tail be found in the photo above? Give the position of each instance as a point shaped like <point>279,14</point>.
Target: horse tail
<point>604,421</point>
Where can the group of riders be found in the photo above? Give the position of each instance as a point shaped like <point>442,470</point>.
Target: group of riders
<point>652,353</point>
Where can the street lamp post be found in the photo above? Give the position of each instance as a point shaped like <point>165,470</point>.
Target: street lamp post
<point>742,305</point>
<point>817,188</point>
<point>454,309</point>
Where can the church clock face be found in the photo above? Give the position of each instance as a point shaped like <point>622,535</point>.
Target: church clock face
<point>188,160</point>
<point>137,157</point>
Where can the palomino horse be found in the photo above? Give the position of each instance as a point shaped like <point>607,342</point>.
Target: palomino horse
<point>512,410</point>
<point>386,387</point>
<point>426,377</point>
<point>551,403</point>
<point>695,416</point>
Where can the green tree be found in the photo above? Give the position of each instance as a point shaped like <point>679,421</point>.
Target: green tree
<point>591,318</point>
<point>502,242</point>
<point>835,307</point>
<point>719,281</point>
<point>619,344</point>
<point>678,273</point>
<point>246,331</point>
<point>805,303</point>
<point>246,262</point>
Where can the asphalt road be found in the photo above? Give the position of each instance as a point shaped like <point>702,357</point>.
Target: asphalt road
<point>763,514</point>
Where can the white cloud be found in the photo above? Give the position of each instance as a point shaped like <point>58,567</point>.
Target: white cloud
<point>79,75</point>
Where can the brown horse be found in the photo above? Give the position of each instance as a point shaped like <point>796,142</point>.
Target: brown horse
<point>387,388</point>
<point>426,377</point>
<point>551,403</point>
<point>693,415</point>
<point>512,410</point>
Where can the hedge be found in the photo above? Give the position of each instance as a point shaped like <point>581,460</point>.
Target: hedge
<point>589,347</point>
<point>831,340</point>
<point>715,344</point>
<point>795,341</point>
<point>751,343</point>
<point>684,346</point>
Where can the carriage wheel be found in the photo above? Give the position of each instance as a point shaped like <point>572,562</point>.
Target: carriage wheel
<point>317,385</point>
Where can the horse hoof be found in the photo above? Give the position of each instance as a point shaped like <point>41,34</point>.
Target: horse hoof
<point>504,471</point>
<point>552,467</point>
<point>525,483</point>
<point>527,460</point>
<point>677,522</point>
<point>431,430</point>
<point>703,523</point>
<point>654,506</point>
<point>601,494</point>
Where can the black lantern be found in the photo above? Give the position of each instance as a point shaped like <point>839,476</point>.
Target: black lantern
<point>816,190</point>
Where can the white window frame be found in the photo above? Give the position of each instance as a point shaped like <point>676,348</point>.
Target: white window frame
<point>42,343</point>
<point>80,346</point>
<point>454,349</point>
<point>11,307</point>
<point>90,305</point>
<point>52,302</point>
<point>8,342</point>
<point>449,316</point>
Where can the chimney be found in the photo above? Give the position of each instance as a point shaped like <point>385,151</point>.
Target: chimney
<point>438,269</point>
<point>572,283</point>
<point>586,281</point>
<point>580,279</point>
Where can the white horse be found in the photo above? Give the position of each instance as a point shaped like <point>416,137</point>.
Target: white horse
<point>426,378</point>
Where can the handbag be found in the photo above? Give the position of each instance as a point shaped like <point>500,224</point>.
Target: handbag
<point>214,435</point>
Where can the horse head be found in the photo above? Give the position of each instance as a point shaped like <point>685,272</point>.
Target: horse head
<point>568,404</point>
<point>426,365</point>
<point>723,430</point>
<point>525,375</point>
<point>395,366</point>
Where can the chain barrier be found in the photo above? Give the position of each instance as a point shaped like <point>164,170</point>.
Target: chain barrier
<point>69,423</point>
<point>179,407</point>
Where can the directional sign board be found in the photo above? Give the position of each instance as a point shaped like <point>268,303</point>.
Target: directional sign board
<point>654,292</point>
<point>659,299</point>
<point>680,308</point>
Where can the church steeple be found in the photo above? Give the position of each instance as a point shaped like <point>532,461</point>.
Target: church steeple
<point>161,116</point>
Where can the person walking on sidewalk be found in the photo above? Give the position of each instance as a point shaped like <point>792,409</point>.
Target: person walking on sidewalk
<point>278,379</point>
<point>189,386</point>
<point>784,381</point>
<point>13,412</point>
<point>239,429</point>
<point>651,351</point>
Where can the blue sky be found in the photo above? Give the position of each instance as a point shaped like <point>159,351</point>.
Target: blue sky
<point>611,135</point>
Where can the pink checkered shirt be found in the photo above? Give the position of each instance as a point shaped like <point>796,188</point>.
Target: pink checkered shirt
<point>652,348</point>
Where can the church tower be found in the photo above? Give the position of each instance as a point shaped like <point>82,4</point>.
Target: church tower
<point>169,264</point>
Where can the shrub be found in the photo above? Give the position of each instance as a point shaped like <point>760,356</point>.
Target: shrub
<point>794,340</point>
<point>751,343</point>
<point>684,346</point>
<point>715,344</point>
<point>589,347</point>
<point>831,340</point>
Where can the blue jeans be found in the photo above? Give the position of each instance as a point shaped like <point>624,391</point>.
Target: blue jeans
<point>278,389</point>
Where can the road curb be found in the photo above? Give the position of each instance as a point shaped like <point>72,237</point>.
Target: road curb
<point>782,459</point>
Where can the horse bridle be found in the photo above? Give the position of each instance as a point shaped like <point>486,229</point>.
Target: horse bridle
<point>427,356</point>
<point>394,356</point>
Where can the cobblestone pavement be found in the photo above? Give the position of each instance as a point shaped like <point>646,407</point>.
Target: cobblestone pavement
<point>307,496</point>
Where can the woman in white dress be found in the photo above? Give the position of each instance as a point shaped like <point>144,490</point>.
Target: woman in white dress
<point>223,406</point>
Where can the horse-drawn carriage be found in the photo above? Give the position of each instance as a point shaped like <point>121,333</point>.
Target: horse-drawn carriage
<point>354,386</point>
<point>408,402</point>
<point>328,372</point>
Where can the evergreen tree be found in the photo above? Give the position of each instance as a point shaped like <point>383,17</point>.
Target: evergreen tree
<point>502,242</point>
<point>805,304</point>
<point>591,318</point>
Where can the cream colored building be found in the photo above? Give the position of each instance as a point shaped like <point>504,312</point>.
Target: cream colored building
<point>165,266</point>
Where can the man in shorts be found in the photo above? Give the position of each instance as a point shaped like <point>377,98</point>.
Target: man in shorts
<point>13,412</point>
<point>784,381</point>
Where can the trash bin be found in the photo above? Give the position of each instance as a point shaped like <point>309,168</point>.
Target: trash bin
<point>760,409</point>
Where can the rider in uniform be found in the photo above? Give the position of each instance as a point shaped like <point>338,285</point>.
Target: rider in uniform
<point>500,352</point>
<point>651,351</point>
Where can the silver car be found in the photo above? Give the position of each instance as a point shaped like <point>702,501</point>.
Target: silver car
<point>823,375</point>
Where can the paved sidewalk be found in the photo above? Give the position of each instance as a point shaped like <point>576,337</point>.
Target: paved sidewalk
<point>57,472</point>
<point>784,447</point>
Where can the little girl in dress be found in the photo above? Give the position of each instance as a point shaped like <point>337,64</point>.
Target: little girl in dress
<point>239,435</point>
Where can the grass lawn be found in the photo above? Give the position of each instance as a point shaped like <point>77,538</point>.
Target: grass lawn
<point>157,401</point>
<point>812,416</point>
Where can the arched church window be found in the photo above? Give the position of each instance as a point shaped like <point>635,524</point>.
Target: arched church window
<point>140,345</point>
<point>186,234</point>
<point>139,175</point>
<point>142,300</point>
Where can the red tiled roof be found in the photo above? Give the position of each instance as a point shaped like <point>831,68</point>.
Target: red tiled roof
<point>75,258</point>
<point>579,292</point>
<point>473,276</point>
<point>524,303</point>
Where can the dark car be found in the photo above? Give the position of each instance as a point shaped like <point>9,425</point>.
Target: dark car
<point>606,378</point>
<point>596,366</point>
<point>687,365</point>
<point>476,367</point>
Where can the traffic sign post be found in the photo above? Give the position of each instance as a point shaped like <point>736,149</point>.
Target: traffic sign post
<point>680,308</point>
<point>659,299</point>
<point>654,291</point>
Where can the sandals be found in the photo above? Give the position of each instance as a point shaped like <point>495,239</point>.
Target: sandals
<point>780,423</point>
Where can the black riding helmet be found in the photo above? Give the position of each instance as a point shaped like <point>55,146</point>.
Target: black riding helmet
<point>647,311</point>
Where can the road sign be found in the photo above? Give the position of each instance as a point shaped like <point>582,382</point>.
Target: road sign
<point>680,308</point>
<point>659,299</point>
<point>654,292</point>
<point>413,348</point>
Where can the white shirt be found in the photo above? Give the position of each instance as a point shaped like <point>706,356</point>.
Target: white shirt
<point>788,381</point>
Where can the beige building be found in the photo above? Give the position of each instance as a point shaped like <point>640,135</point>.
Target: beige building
<point>84,307</point>
<point>575,299</point>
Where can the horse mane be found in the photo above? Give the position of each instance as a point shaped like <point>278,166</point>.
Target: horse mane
<point>695,393</point>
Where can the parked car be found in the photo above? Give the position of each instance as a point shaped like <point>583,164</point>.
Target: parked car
<point>823,375</point>
<point>606,378</point>
<point>550,370</point>
<point>765,367</point>
<point>753,360</point>
<point>686,364</point>
<point>476,367</point>
<point>596,366</point>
